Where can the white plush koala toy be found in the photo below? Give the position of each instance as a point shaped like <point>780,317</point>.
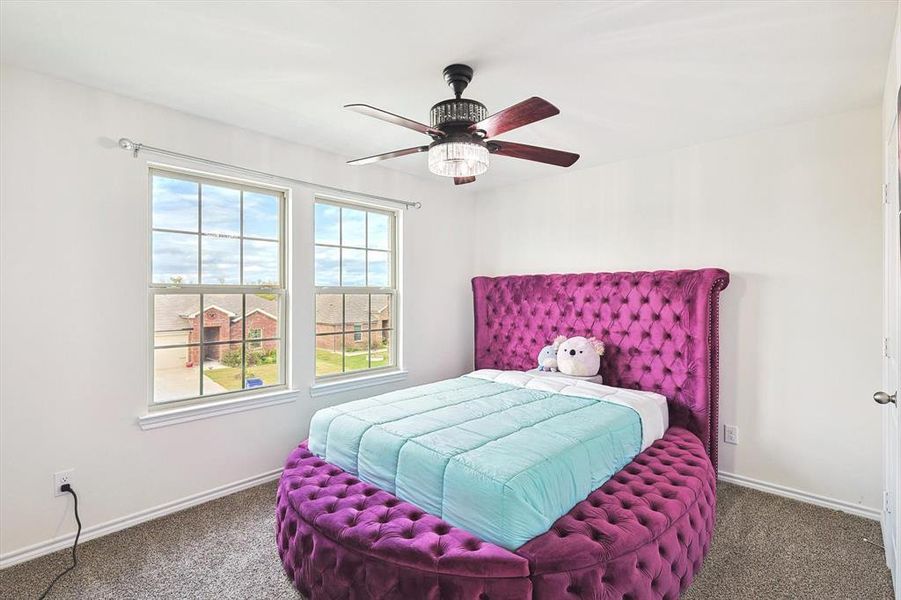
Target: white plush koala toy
<point>579,356</point>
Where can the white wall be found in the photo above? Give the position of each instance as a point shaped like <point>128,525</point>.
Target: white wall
<point>74,305</point>
<point>794,215</point>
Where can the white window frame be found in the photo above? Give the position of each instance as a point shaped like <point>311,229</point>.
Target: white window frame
<point>373,375</point>
<point>181,410</point>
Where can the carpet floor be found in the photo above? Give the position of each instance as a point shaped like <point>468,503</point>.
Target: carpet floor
<point>765,547</point>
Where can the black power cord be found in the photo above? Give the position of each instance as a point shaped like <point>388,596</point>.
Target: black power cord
<point>67,488</point>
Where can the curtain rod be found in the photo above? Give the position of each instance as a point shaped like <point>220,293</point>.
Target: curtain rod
<point>137,147</point>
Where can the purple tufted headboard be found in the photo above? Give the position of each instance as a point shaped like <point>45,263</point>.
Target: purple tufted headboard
<point>660,329</point>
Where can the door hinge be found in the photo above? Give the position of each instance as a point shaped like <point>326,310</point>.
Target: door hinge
<point>885,353</point>
<point>885,193</point>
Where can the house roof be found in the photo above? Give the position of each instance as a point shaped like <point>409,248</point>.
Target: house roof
<point>174,312</point>
<point>328,308</point>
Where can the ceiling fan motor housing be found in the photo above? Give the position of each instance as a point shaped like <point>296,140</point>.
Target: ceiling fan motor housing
<point>457,111</point>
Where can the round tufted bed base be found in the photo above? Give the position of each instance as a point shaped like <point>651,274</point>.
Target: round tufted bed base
<point>642,535</point>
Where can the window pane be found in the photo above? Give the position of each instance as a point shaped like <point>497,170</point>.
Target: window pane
<point>260,263</point>
<point>221,319</point>
<point>356,353</point>
<point>174,257</point>
<point>260,215</point>
<point>379,231</point>
<point>327,266</point>
<point>379,273</point>
<point>221,368</point>
<point>381,352</point>
<point>173,315</point>
<point>221,260</point>
<point>262,364</point>
<point>356,312</point>
<point>174,204</point>
<point>221,208</point>
<point>327,220</point>
<point>353,227</point>
<point>262,316</point>
<point>176,374</point>
<point>329,315</point>
<point>328,354</point>
<point>353,267</point>
<point>381,312</point>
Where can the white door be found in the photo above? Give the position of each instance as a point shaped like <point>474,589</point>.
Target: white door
<point>891,365</point>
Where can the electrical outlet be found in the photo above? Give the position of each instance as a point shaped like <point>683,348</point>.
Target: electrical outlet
<point>60,478</point>
<point>730,434</point>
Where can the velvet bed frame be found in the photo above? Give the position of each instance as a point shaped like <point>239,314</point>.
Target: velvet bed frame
<point>642,535</point>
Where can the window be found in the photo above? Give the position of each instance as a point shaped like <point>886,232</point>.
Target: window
<point>356,295</point>
<point>217,287</point>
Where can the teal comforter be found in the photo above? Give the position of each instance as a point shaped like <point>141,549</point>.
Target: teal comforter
<point>502,460</point>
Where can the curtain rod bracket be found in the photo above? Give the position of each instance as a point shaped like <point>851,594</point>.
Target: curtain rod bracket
<point>127,144</point>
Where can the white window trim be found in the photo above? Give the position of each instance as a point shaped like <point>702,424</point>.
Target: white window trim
<point>185,414</point>
<point>336,385</point>
<point>161,414</point>
<point>340,382</point>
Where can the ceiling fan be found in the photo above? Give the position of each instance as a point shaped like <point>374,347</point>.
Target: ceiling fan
<point>462,132</point>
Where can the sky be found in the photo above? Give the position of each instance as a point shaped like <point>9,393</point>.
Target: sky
<point>217,230</point>
<point>350,266</point>
<point>175,206</point>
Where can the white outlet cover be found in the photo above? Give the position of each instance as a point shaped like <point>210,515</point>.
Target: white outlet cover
<point>730,434</point>
<point>61,478</point>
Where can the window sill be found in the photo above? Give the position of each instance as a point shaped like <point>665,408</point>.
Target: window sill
<point>166,417</point>
<point>324,388</point>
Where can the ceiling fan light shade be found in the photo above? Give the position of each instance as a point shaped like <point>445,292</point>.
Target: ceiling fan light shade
<point>458,159</point>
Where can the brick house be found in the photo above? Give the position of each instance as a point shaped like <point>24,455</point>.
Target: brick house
<point>356,318</point>
<point>222,325</point>
<point>177,321</point>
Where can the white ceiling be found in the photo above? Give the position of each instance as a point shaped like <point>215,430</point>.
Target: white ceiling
<point>629,77</point>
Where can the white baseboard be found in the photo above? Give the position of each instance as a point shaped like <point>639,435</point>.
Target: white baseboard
<point>96,531</point>
<point>787,492</point>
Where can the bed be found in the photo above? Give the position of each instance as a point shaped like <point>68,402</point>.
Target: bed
<point>642,534</point>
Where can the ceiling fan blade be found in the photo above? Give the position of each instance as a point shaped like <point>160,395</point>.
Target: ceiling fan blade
<point>377,157</point>
<point>462,180</point>
<point>536,153</point>
<point>384,115</point>
<point>527,111</point>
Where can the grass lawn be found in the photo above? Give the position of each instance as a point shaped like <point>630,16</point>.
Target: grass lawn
<point>230,377</point>
<point>328,362</point>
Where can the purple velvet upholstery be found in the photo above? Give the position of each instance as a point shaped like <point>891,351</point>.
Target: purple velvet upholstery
<point>641,536</point>
<point>341,538</point>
